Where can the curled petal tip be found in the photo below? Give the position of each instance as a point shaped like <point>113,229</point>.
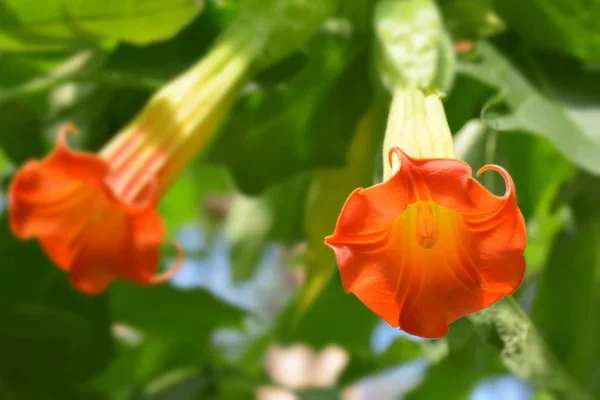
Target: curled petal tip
<point>394,151</point>
<point>67,129</point>
<point>505,175</point>
<point>167,275</point>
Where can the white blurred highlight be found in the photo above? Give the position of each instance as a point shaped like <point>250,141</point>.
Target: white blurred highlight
<point>299,367</point>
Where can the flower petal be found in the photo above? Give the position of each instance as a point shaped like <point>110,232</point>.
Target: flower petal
<point>82,225</point>
<point>430,245</point>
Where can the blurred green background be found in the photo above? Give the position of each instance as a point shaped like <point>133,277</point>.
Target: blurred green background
<point>522,85</point>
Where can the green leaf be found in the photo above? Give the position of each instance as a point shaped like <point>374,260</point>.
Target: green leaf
<point>164,328</point>
<point>158,62</point>
<point>45,320</point>
<point>363,364</point>
<point>61,24</point>
<point>522,350</point>
<point>307,122</point>
<point>327,195</point>
<point>17,69</point>
<point>533,111</point>
<point>471,18</point>
<point>567,26</point>
<point>455,376</point>
<point>565,308</point>
<point>413,49</point>
<point>253,222</point>
<point>319,394</point>
<point>358,13</point>
<point>51,71</point>
<point>538,190</point>
<point>18,120</point>
<point>280,27</point>
<point>334,318</point>
<point>464,101</point>
<point>176,315</point>
<point>180,204</point>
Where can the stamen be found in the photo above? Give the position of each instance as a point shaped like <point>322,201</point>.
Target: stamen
<point>165,276</point>
<point>426,226</point>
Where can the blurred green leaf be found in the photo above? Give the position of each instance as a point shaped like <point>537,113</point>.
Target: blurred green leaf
<point>575,86</point>
<point>4,163</point>
<point>538,190</point>
<point>162,328</point>
<point>253,222</point>
<point>327,195</point>
<point>413,49</point>
<point>28,24</point>
<point>45,320</point>
<point>181,204</point>
<point>533,111</point>
<point>463,102</point>
<point>359,14</point>
<point>363,364</point>
<point>181,383</point>
<point>277,131</point>
<point>565,307</point>
<point>74,66</point>
<point>319,394</point>
<point>522,350</point>
<point>176,315</point>
<point>334,318</point>
<point>470,19</point>
<point>567,26</point>
<point>20,126</point>
<point>17,69</point>
<point>158,62</point>
<point>468,361</point>
<point>280,27</point>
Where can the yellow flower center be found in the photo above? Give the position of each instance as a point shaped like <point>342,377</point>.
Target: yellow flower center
<point>426,225</point>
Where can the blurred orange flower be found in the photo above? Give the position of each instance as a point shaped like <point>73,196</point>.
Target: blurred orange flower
<point>430,245</point>
<point>86,226</point>
<point>95,214</point>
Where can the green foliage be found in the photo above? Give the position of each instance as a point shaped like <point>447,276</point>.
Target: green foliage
<point>253,222</point>
<point>471,19</point>
<point>305,131</point>
<point>27,25</point>
<point>565,305</point>
<point>306,122</point>
<point>522,349</point>
<point>534,111</point>
<point>45,320</point>
<point>468,361</point>
<point>279,27</point>
<point>567,26</point>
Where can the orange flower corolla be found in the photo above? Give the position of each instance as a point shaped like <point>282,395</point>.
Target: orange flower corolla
<point>95,214</point>
<point>86,226</point>
<point>430,245</point>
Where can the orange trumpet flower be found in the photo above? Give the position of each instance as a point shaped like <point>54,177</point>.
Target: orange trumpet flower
<point>95,214</point>
<point>430,244</point>
<point>86,226</point>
